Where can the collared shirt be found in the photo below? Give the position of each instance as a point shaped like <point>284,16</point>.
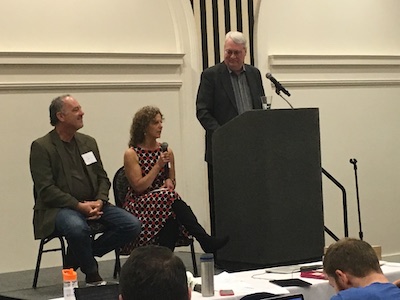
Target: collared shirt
<point>241,90</point>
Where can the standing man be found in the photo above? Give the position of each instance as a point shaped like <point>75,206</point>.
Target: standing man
<point>353,271</point>
<point>226,90</point>
<point>71,188</point>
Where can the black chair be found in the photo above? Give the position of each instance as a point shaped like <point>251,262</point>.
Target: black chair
<point>43,242</point>
<point>121,186</point>
<point>95,228</point>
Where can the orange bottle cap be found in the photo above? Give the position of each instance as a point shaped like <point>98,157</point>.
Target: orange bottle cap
<point>69,275</point>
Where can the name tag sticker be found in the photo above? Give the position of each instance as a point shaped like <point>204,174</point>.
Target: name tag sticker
<point>89,158</point>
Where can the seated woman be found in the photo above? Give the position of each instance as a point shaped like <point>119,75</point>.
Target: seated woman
<point>152,198</point>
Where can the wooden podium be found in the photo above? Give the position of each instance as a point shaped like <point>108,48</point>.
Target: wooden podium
<point>268,189</point>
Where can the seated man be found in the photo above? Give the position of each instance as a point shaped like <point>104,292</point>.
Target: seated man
<point>153,272</point>
<point>71,187</point>
<point>353,271</point>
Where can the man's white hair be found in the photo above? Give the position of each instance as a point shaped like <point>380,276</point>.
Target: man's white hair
<point>237,37</point>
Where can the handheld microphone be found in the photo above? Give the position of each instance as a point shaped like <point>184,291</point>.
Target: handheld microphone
<point>164,148</point>
<point>278,86</point>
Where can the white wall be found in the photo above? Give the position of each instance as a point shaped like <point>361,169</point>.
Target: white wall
<point>89,26</point>
<point>114,57</point>
<point>329,27</point>
<point>343,57</point>
<point>147,53</point>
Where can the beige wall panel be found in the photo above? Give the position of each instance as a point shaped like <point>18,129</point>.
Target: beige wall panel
<point>92,25</point>
<point>105,54</point>
<point>343,57</point>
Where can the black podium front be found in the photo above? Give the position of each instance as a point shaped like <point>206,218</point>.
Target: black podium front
<point>268,188</point>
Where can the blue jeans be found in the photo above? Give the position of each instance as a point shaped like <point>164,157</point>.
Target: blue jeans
<point>121,228</point>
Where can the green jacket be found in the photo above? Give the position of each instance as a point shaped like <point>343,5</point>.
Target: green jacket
<point>51,176</point>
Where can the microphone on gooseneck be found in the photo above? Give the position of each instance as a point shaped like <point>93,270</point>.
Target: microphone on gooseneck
<point>278,86</point>
<point>164,148</point>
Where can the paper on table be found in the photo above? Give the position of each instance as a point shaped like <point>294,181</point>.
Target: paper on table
<point>227,281</point>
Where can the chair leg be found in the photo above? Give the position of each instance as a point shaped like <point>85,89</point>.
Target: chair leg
<point>195,271</point>
<point>63,252</point>
<point>43,242</point>
<point>117,265</point>
<point>39,259</point>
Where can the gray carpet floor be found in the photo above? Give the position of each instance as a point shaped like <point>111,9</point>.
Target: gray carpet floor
<point>18,285</point>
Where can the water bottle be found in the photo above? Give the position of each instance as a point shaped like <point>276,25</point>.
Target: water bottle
<point>70,279</point>
<point>207,274</point>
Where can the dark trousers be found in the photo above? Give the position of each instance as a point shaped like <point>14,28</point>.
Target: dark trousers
<point>211,197</point>
<point>122,227</point>
<point>168,235</point>
<point>184,215</point>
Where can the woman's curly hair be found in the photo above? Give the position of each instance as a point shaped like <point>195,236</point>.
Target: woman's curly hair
<point>141,120</point>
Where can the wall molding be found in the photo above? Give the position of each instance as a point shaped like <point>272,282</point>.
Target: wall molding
<point>281,61</point>
<point>20,86</point>
<point>90,58</point>
<point>24,71</point>
<point>339,83</point>
<point>336,70</point>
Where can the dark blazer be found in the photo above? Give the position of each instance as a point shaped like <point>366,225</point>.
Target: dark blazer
<point>51,176</point>
<point>216,104</point>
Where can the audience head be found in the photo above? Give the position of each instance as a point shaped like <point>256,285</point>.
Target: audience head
<point>153,272</point>
<point>349,257</point>
<point>140,122</point>
<point>235,50</point>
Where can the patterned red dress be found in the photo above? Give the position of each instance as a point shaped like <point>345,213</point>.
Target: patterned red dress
<point>152,207</point>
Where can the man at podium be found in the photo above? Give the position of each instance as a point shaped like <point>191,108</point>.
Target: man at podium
<point>226,90</point>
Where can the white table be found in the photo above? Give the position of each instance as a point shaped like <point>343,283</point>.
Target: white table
<point>258,281</point>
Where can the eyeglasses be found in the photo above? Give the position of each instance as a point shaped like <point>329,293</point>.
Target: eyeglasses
<point>235,52</point>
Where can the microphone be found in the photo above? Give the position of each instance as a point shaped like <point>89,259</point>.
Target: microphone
<point>278,86</point>
<point>164,148</point>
